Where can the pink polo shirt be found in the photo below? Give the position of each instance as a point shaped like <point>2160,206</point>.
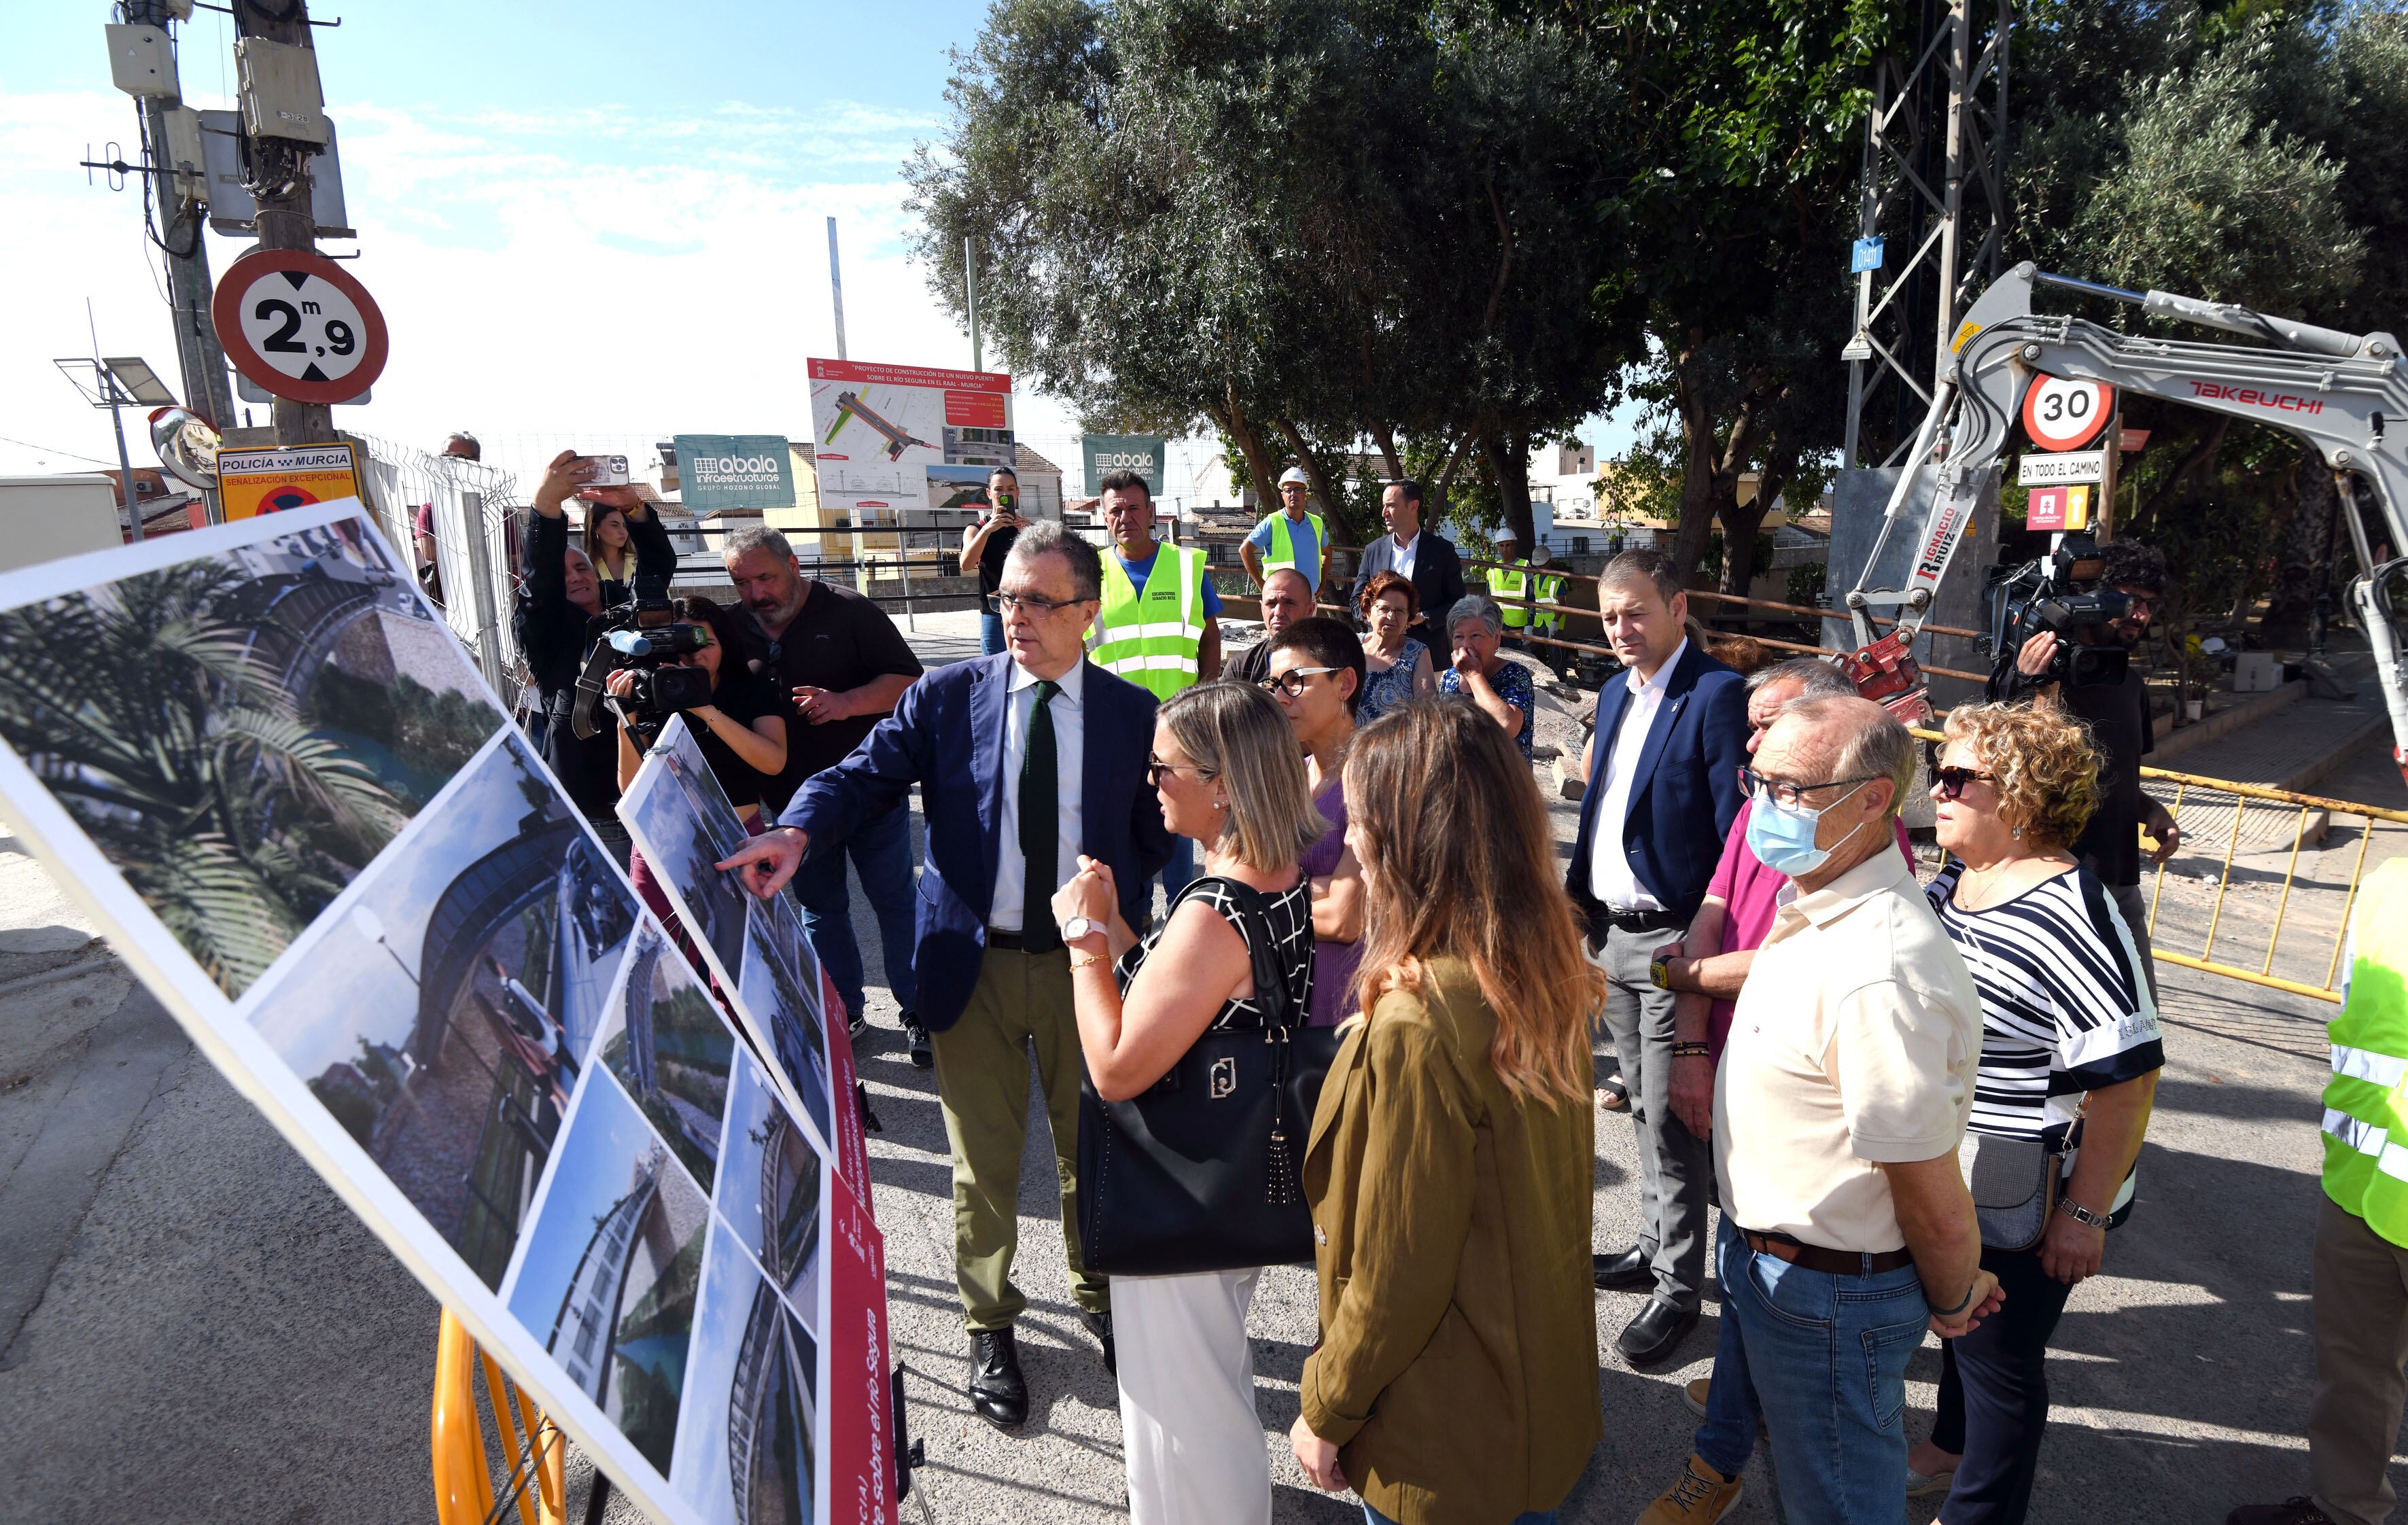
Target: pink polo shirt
<point>1746,888</point>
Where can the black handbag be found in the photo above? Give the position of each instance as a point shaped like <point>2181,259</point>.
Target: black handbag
<point>1205,1171</point>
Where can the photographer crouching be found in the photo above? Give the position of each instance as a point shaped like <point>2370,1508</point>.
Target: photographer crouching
<point>2063,667</point>
<point>559,616</point>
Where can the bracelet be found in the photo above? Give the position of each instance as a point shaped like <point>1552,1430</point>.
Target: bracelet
<point>1964,1303</point>
<point>1076,964</point>
<point>2080,1214</point>
<point>1692,1050</point>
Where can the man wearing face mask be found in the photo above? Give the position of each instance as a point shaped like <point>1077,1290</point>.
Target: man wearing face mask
<point>2120,727</point>
<point>1839,1108</point>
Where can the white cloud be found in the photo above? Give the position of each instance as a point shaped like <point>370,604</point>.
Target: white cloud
<point>595,277</point>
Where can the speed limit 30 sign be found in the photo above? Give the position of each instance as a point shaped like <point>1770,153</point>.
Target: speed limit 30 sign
<point>2063,415</point>
<point>298,324</point>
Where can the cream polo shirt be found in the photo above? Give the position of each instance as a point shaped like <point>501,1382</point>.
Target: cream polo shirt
<point>1855,1043</point>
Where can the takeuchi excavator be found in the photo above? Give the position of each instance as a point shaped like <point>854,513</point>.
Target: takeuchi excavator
<point>2346,394</point>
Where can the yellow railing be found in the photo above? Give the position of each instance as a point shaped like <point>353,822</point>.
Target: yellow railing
<point>531,1444</point>
<point>2207,797</point>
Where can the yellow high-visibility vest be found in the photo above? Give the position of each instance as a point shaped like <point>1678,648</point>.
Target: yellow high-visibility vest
<point>1154,635</point>
<point>1283,546</point>
<point>2366,1125</point>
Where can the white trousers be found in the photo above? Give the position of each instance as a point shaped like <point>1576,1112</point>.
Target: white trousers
<point>1193,1442</point>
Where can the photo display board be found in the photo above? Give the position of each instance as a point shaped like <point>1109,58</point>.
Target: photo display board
<point>267,769</point>
<point>882,436</point>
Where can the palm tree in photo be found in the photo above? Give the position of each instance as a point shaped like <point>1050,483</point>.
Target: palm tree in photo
<point>187,761</point>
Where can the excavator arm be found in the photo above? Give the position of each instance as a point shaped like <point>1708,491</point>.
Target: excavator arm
<point>2345,394</point>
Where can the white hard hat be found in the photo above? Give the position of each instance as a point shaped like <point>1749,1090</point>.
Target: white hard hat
<point>1506,534</point>
<point>1296,475</point>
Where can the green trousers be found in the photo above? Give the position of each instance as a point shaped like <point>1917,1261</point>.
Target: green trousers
<point>1020,1003</point>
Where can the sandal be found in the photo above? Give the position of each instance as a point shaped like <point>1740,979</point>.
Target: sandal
<point>1613,1094</point>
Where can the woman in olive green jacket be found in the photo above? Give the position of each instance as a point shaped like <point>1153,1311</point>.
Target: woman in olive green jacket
<point>1449,1165</point>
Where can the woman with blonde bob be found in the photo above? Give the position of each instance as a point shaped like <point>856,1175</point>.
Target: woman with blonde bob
<point>1450,1160</point>
<point>2069,1060</point>
<point>1227,770</point>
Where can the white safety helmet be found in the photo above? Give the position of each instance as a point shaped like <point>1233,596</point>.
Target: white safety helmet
<point>1296,475</point>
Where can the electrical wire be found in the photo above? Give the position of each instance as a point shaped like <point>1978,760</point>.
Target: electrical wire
<point>47,449</point>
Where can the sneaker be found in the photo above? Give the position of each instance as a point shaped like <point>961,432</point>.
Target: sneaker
<point>855,1023</point>
<point>2297,1511</point>
<point>1924,1485</point>
<point>923,1057</point>
<point>1701,1497</point>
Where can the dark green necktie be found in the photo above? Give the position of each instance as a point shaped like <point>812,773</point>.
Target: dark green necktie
<point>1039,779</point>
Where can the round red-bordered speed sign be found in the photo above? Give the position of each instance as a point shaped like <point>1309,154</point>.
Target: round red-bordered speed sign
<point>2066,415</point>
<point>296,322</point>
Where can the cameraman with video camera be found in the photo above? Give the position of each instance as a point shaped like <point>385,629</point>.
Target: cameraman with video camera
<point>557,618</point>
<point>2117,713</point>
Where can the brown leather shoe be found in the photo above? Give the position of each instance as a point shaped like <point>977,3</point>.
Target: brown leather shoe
<point>1701,1497</point>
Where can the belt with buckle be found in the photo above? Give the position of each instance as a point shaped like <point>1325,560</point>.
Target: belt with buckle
<point>1833,1262</point>
<point>1638,921</point>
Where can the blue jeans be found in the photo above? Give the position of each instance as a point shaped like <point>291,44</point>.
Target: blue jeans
<point>1727,1438</point>
<point>881,850</point>
<point>990,634</point>
<point>1827,1357</point>
<point>1534,1516</point>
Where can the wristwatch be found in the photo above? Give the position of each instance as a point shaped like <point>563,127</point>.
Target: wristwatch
<point>1081,926</point>
<point>2080,1214</point>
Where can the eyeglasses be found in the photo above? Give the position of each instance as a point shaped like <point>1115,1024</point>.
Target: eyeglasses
<point>1006,603</point>
<point>1788,794</point>
<point>1951,781</point>
<point>1292,681</point>
<point>1156,767</point>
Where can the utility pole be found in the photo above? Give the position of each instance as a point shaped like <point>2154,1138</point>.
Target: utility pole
<point>969,287</point>
<point>279,165</point>
<point>177,192</point>
<point>835,290</point>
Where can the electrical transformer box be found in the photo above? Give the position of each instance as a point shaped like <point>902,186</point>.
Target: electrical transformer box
<point>281,97</point>
<point>141,62</point>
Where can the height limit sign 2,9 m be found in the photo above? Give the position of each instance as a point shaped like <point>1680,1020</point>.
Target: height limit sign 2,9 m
<point>299,325</point>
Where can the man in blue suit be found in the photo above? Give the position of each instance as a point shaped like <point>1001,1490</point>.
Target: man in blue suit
<point>1663,790</point>
<point>1024,761</point>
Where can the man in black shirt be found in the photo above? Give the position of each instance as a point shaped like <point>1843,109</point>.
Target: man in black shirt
<point>1287,598</point>
<point>845,664</point>
<point>986,543</point>
<point>2121,728</point>
<point>553,620</point>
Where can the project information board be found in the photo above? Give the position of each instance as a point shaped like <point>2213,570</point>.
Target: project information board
<point>270,772</point>
<point>880,432</point>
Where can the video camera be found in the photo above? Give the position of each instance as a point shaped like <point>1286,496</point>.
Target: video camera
<point>2042,595</point>
<point>644,635</point>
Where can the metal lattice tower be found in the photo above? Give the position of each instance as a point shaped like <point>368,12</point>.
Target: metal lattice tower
<point>1934,190</point>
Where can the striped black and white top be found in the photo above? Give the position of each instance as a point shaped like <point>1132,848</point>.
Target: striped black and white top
<point>2064,1007</point>
<point>1289,914</point>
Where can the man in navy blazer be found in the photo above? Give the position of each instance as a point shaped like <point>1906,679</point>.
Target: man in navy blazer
<point>1024,761</point>
<point>1422,557</point>
<point>1663,790</point>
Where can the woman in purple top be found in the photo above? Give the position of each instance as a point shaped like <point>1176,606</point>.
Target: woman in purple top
<point>1316,670</point>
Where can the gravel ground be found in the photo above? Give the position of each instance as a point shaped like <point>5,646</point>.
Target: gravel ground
<point>192,1327</point>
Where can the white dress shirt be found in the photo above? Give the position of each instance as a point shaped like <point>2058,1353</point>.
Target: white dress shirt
<point>1009,907</point>
<point>1406,550</point>
<point>1610,878</point>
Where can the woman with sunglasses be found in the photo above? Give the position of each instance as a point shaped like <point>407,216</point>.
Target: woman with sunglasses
<point>1227,771</point>
<point>1316,667</point>
<point>2070,1058</point>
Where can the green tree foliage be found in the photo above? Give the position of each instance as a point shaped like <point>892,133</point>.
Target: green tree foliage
<point>187,761</point>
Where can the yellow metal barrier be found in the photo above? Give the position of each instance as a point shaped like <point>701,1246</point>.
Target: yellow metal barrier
<point>2208,797</point>
<point>464,1480</point>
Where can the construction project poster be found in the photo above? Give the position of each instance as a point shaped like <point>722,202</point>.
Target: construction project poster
<point>879,428</point>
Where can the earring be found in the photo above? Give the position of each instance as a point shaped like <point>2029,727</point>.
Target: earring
<point>2018,833</point>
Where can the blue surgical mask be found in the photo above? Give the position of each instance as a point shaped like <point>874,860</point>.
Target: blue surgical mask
<point>1782,837</point>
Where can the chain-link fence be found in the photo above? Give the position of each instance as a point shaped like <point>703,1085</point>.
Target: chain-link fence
<point>469,514</point>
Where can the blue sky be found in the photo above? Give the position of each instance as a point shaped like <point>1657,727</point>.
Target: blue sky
<point>592,225</point>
